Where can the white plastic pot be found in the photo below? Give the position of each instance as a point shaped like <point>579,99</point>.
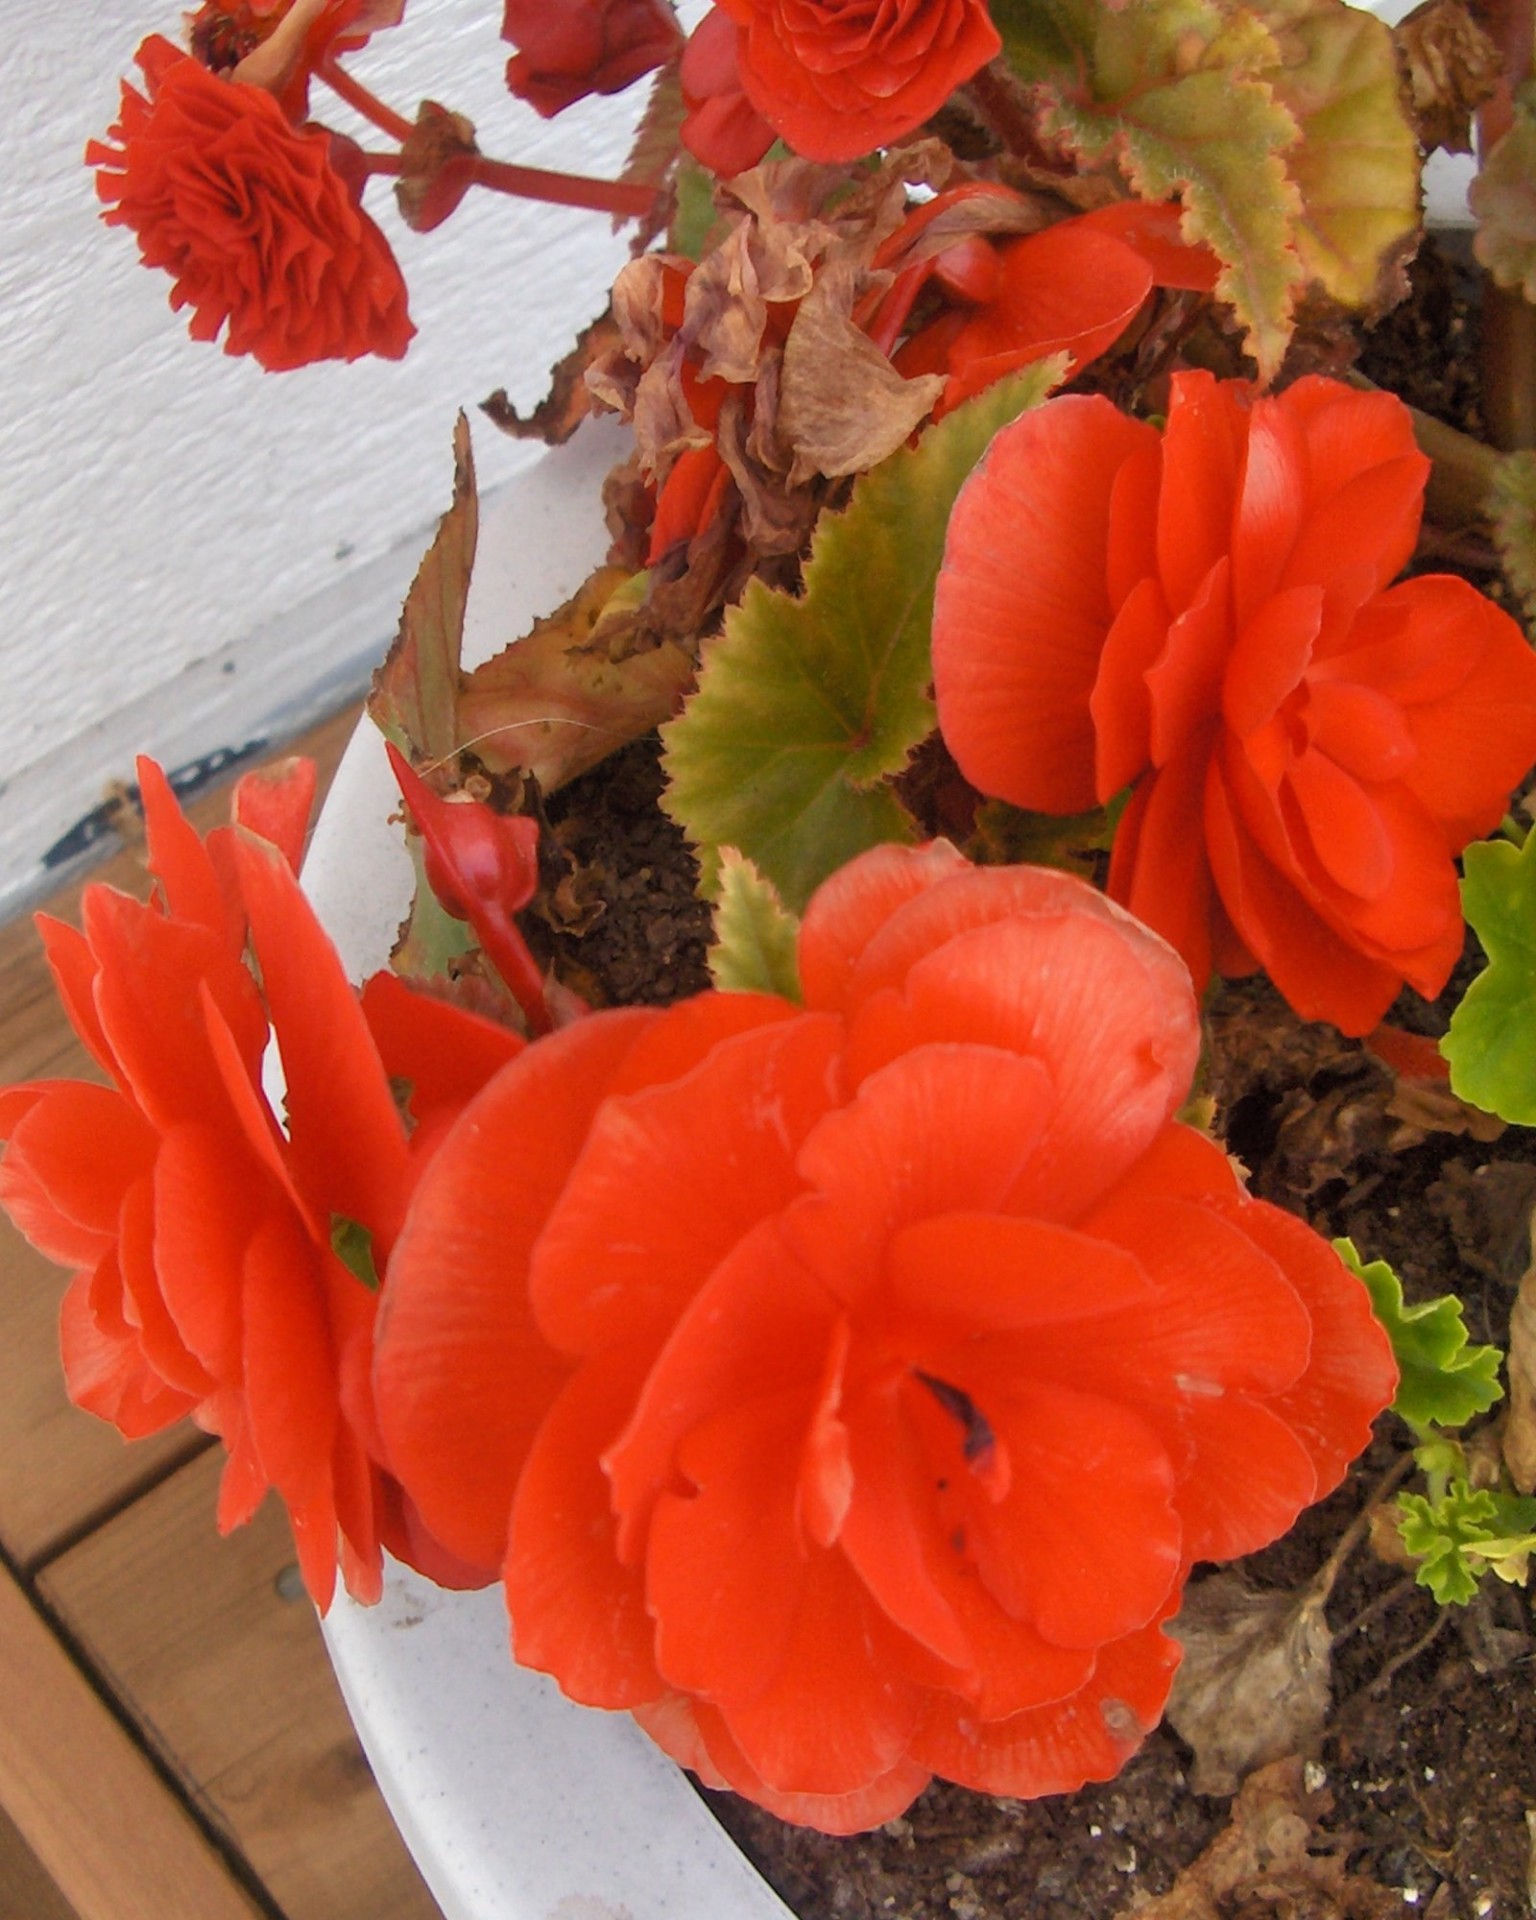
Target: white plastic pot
<point>516,1804</point>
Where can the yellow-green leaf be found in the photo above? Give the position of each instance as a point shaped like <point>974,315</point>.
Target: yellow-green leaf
<point>1357,164</point>
<point>755,947</point>
<point>808,706</point>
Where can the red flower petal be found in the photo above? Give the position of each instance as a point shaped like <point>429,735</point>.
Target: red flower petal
<point>1057,1748</point>
<point>1202,463</point>
<point>848,910</point>
<point>74,1151</point>
<point>578,1612</point>
<point>758,1093</point>
<point>462,1371</point>
<point>1022,604</point>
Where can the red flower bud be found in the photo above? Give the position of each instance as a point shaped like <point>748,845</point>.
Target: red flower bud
<point>567,49</point>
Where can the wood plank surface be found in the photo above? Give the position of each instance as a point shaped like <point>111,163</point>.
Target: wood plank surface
<point>213,1649</point>
<point>61,1470</point>
<point>86,1801</point>
<point>26,1892</point>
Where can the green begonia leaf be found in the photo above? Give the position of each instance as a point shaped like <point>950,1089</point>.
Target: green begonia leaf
<point>1503,196</point>
<point>1512,508</point>
<point>808,706</point>
<point>1464,1534</point>
<point>1444,1381</point>
<point>1491,1044</point>
<point>1357,165</point>
<point>755,934</point>
<point>1177,95</point>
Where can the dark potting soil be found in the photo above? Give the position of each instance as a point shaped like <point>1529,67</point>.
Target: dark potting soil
<point>1419,1797</point>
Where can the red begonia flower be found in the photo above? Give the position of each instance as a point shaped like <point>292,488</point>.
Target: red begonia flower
<point>1014,297</point>
<point>1206,617</point>
<point>567,49</point>
<point>839,78</point>
<point>261,235</point>
<point>850,1387</point>
<point>278,44</point>
<point>222,1263</point>
<point>721,128</point>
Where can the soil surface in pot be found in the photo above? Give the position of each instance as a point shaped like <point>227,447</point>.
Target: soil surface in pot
<point>1419,1794</point>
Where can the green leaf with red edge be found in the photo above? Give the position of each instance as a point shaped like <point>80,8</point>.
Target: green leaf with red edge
<point>756,936</point>
<point>1177,95</point>
<point>1491,1044</point>
<point>415,693</point>
<point>807,707</point>
<point>1503,196</point>
<point>1279,126</point>
<point>1357,164</point>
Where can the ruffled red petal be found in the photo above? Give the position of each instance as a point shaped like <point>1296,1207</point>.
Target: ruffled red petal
<point>1022,604</point>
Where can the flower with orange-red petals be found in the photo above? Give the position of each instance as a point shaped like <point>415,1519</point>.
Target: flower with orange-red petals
<point>567,49</point>
<point>1206,617</point>
<point>1013,297</point>
<point>721,127</point>
<point>850,1386</point>
<point>837,80</point>
<point>278,44</point>
<point>263,238</point>
<point>226,1267</point>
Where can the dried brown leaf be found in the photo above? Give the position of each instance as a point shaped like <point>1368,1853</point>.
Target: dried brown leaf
<point>556,702</point>
<point>1449,68</point>
<point>569,400</point>
<point>1423,1107</point>
<point>1272,1860</point>
<point>843,407</point>
<point>1254,1681</point>
<point>414,696</point>
<point>1520,1419</point>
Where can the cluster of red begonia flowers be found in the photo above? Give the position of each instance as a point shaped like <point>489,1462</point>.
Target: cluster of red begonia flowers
<point>206,1241</point>
<point>256,213</point>
<point>1205,616</point>
<point>845,1387</point>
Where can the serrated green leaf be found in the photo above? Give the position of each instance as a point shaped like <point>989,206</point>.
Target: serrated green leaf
<point>755,934</point>
<point>1357,164</point>
<point>1464,1534</point>
<point>1444,1381</point>
<point>808,706</point>
<point>1177,95</point>
<point>1491,1044</point>
<point>1512,509</point>
<point>1503,196</point>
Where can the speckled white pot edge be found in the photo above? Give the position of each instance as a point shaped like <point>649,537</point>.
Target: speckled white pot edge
<point>516,1804</point>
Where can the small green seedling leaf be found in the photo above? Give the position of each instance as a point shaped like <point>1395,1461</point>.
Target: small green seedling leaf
<point>1444,1381</point>
<point>352,1244</point>
<point>755,934</point>
<point>807,707</point>
<point>1464,1534</point>
<point>1491,1044</point>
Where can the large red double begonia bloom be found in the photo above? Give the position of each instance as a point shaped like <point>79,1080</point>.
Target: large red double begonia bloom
<point>263,238</point>
<point>839,78</point>
<point>1206,617</point>
<point>200,1233</point>
<point>850,1387</point>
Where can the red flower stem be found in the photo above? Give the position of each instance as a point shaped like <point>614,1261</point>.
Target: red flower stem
<point>386,163</point>
<point>618,197</point>
<point>624,201</point>
<point>369,105</point>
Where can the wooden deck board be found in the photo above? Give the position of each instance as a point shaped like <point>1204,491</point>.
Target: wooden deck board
<point>212,1647</point>
<point>86,1801</point>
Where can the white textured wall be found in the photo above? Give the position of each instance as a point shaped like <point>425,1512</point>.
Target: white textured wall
<point>196,553</point>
